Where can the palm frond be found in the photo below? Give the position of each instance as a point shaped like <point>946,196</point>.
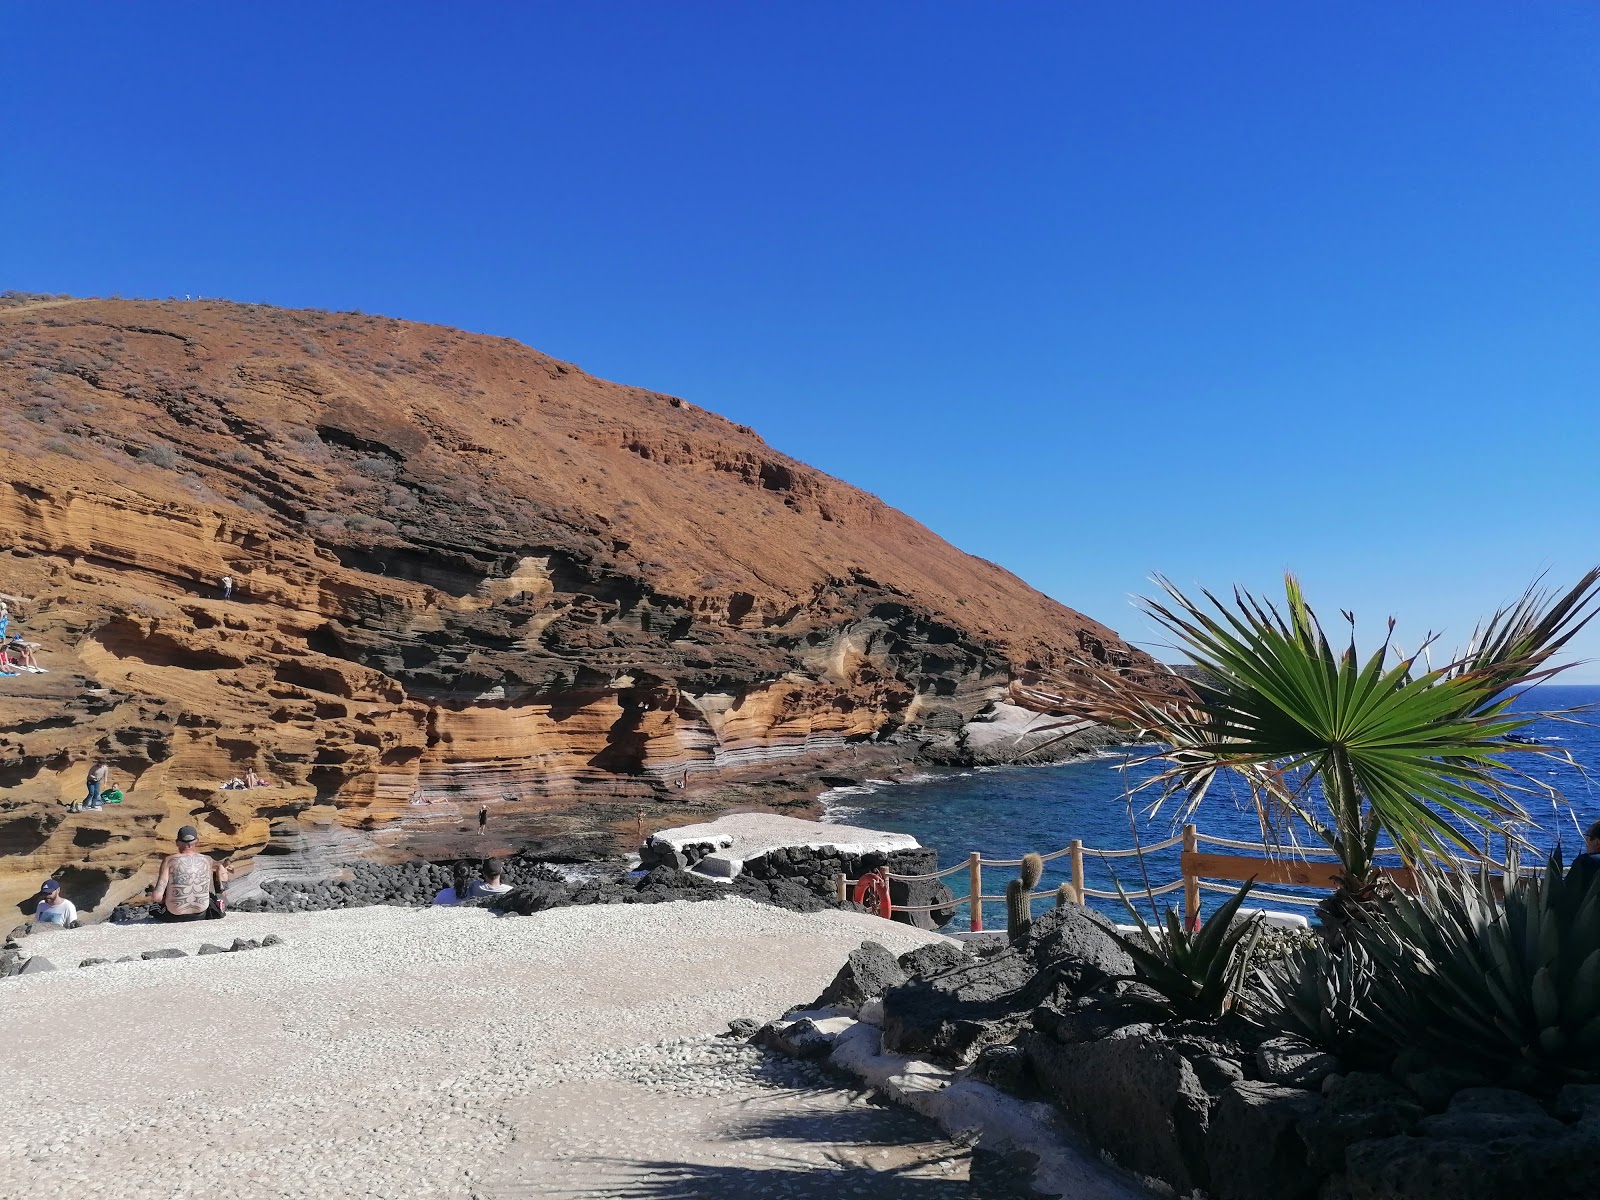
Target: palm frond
<point>1377,741</point>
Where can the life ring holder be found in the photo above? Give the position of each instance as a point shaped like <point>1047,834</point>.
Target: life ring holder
<point>872,893</point>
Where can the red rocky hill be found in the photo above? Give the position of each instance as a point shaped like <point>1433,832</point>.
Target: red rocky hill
<point>467,574</point>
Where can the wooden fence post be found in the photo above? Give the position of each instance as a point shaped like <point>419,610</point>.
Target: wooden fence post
<point>975,890</point>
<point>1191,883</point>
<point>1075,850</point>
<point>844,888</point>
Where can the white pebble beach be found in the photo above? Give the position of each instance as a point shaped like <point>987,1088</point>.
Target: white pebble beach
<point>438,1052</point>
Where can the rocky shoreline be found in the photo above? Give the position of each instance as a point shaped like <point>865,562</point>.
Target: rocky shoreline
<point>796,878</point>
<point>1221,1108</point>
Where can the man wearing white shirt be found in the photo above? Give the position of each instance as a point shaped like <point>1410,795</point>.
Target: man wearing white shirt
<point>54,908</point>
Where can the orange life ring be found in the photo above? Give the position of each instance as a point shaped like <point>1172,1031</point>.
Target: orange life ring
<point>872,893</point>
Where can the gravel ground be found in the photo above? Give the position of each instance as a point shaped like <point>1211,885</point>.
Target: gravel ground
<point>391,1052</point>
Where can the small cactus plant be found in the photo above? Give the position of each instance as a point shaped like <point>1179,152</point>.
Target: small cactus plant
<point>1065,895</point>
<point>1019,908</point>
<point>1032,871</point>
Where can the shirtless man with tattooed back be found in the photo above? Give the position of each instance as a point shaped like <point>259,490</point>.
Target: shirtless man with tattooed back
<point>187,881</point>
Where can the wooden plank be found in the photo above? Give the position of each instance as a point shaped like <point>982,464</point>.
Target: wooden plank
<point>1267,871</point>
<point>1264,870</point>
<point>1191,880</point>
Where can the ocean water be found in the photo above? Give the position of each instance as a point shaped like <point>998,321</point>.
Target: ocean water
<point>1005,812</point>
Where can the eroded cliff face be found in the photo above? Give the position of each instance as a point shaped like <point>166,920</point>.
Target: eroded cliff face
<point>466,574</point>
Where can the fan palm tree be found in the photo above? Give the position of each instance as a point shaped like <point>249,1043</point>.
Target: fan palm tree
<point>1343,745</point>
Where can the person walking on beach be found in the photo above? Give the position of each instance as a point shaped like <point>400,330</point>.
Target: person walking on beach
<point>188,881</point>
<point>98,778</point>
<point>483,818</point>
<point>227,587</point>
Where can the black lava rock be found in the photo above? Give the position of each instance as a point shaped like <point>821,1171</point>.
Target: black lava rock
<point>869,971</point>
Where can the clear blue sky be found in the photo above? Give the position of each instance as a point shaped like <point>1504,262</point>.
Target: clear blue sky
<point>1093,290</point>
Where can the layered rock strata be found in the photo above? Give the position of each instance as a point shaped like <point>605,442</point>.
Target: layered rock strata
<point>466,575</point>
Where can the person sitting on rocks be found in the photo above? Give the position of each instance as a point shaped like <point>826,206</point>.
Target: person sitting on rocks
<point>252,780</point>
<point>55,909</point>
<point>188,880</point>
<point>459,890</point>
<point>22,656</point>
<point>490,884</point>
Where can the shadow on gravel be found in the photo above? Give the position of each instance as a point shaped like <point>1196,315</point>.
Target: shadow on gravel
<point>888,1127</point>
<point>990,1178</point>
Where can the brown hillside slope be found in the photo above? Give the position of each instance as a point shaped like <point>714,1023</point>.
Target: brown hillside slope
<point>466,573</point>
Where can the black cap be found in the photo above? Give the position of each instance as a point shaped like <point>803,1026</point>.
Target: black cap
<point>493,866</point>
<point>188,834</point>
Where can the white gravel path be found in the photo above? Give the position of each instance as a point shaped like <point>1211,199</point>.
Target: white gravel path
<point>391,1052</point>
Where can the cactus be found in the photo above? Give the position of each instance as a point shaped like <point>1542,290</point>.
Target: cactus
<point>1065,895</point>
<point>1019,908</point>
<point>1018,918</point>
<point>1032,871</point>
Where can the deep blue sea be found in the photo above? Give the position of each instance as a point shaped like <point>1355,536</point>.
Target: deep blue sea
<point>1005,812</point>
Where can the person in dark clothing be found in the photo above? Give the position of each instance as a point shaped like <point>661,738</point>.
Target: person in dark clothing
<point>1587,865</point>
<point>483,818</point>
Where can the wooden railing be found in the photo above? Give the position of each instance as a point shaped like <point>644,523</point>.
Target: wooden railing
<point>1199,870</point>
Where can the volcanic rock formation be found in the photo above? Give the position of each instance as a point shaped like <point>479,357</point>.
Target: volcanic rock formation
<point>466,574</point>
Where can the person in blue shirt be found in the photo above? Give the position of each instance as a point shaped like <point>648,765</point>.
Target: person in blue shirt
<point>1587,865</point>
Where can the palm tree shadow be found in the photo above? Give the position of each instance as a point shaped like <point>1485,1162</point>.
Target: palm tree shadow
<point>880,1125</point>
<point>990,1179</point>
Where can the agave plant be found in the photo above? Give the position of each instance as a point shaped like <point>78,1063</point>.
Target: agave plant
<point>1321,994</point>
<point>1511,985</point>
<point>1199,973</point>
<point>1344,746</point>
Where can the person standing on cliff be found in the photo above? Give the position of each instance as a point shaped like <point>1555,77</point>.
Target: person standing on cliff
<point>483,818</point>
<point>227,587</point>
<point>98,777</point>
<point>188,881</point>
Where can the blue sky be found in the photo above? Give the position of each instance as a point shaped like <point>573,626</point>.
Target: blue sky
<point>1092,290</point>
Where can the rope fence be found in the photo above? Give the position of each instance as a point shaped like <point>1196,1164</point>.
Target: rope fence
<point>1223,859</point>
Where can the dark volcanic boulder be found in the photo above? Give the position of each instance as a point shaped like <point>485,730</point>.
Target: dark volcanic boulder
<point>1133,1095</point>
<point>1486,1114</point>
<point>1077,942</point>
<point>1289,1061</point>
<point>533,897</point>
<point>933,959</point>
<point>955,1014</point>
<point>1004,1067</point>
<point>1253,1148</point>
<point>869,971</point>
<point>1362,1107</point>
<point>1423,1168</point>
<point>779,891</point>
